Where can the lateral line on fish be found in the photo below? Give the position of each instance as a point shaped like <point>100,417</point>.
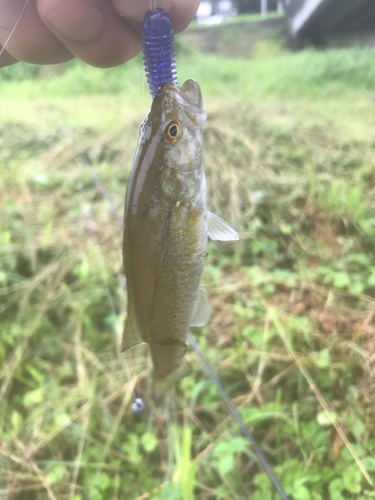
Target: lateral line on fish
<point>236,416</point>
<point>98,183</point>
<point>162,253</point>
<point>102,265</point>
<point>101,188</point>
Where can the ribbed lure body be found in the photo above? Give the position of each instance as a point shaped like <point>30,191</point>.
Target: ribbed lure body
<point>158,49</point>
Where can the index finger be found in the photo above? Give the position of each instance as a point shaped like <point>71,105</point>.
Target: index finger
<point>91,30</point>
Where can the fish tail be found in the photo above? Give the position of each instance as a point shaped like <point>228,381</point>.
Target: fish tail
<point>160,387</point>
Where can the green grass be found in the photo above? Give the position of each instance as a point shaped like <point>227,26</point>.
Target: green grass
<point>290,161</point>
<point>309,73</point>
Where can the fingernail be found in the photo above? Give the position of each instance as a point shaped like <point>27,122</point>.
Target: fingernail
<point>81,26</point>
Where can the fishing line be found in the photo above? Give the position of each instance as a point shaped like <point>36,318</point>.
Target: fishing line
<point>14,27</point>
<point>143,74</point>
<point>108,290</point>
<point>143,93</point>
<point>236,415</point>
<point>101,263</point>
<point>171,453</point>
<point>138,404</point>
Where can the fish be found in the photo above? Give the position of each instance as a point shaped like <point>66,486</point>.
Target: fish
<point>166,230</point>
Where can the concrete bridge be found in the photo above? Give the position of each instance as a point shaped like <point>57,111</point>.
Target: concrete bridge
<point>315,19</point>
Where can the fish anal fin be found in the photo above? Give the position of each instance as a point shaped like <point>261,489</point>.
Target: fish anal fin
<point>220,230</point>
<point>202,309</point>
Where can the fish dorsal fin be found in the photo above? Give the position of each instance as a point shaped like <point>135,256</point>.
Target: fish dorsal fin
<point>218,229</point>
<point>131,336</point>
<point>202,309</point>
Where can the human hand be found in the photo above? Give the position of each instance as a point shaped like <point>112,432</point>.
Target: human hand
<point>103,33</point>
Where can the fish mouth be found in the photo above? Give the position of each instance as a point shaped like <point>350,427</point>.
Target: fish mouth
<point>171,98</point>
<point>192,92</point>
<point>189,92</point>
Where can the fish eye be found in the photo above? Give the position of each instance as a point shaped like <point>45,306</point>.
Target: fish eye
<point>172,131</point>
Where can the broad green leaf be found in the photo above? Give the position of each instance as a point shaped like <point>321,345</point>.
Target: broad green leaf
<point>149,441</point>
<point>16,421</point>
<point>323,359</point>
<point>56,474</point>
<point>369,463</point>
<point>103,481</point>
<point>325,418</point>
<point>352,479</point>
<point>225,464</point>
<point>300,492</point>
<point>33,397</point>
<point>341,280</point>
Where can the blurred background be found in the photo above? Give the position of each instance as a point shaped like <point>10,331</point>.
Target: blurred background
<point>289,88</point>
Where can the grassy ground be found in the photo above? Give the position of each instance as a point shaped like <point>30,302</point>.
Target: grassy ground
<point>290,161</point>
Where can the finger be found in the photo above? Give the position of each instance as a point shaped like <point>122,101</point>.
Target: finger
<point>5,58</point>
<point>181,12</point>
<point>91,30</point>
<point>31,41</point>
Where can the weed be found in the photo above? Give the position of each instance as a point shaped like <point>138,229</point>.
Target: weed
<point>289,160</point>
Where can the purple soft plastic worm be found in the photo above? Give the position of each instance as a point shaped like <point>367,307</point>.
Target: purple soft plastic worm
<point>158,49</point>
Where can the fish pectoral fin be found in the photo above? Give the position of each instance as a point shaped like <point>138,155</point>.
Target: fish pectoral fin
<point>220,230</point>
<point>131,337</point>
<point>202,309</point>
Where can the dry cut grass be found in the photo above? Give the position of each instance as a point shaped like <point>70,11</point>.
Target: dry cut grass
<point>291,336</point>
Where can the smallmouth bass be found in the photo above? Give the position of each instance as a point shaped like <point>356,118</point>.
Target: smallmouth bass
<point>166,229</point>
